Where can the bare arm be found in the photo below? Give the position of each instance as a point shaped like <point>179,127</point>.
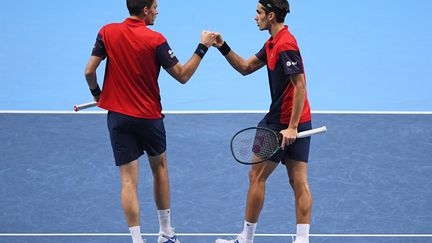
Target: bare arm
<point>290,134</point>
<point>244,67</point>
<point>90,73</point>
<point>183,73</point>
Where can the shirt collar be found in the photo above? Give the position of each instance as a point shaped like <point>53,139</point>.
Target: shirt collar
<point>135,22</point>
<point>273,40</point>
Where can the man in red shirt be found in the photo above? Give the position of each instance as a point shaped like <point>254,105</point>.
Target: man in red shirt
<point>289,113</point>
<point>131,95</point>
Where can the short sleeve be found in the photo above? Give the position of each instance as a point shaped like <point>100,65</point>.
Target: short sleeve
<point>99,49</point>
<point>291,62</point>
<point>262,55</point>
<point>165,56</point>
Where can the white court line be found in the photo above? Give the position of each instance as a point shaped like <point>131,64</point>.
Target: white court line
<point>226,112</point>
<point>206,234</point>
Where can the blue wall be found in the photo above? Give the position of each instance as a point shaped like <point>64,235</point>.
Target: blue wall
<point>369,55</point>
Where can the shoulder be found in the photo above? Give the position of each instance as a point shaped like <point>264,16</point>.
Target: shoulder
<point>109,27</point>
<point>157,37</point>
<point>288,43</point>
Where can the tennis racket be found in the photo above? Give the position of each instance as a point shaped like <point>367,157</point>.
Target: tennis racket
<point>77,108</point>
<point>254,145</point>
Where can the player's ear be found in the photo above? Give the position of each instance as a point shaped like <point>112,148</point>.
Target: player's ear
<point>145,10</point>
<point>271,16</point>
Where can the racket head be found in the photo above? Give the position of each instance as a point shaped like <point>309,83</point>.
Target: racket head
<point>254,145</point>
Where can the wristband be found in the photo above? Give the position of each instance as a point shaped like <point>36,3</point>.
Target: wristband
<point>96,92</point>
<point>224,49</point>
<point>201,50</point>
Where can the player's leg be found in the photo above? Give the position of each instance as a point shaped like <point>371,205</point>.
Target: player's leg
<point>129,197</point>
<point>161,186</point>
<point>126,153</point>
<point>161,189</point>
<point>297,173</point>
<point>296,161</point>
<point>258,176</point>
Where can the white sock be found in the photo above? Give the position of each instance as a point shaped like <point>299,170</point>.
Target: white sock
<point>302,235</point>
<point>249,230</point>
<point>136,234</point>
<point>165,222</point>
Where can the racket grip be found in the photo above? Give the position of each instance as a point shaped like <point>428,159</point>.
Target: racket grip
<point>84,106</point>
<point>312,132</point>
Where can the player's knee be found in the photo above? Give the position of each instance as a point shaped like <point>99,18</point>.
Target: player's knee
<point>129,183</point>
<point>298,184</point>
<point>159,168</point>
<point>256,177</point>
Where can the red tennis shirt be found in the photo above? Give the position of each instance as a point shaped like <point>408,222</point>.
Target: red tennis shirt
<point>134,54</point>
<point>283,59</point>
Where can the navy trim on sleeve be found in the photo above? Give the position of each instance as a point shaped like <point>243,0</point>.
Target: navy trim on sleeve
<point>165,56</point>
<point>262,55</point>
<point>99,48</point>
<point>291,62</point>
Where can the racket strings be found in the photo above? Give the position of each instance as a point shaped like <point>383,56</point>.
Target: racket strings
<point>254,146</point>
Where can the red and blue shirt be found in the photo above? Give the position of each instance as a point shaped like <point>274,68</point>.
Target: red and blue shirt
<point>283,59</point>
<point>134,54</point>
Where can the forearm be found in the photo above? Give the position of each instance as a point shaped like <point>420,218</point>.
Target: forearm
<point>189,68</point>
<point>244,67</point>
<point>91,78</point>
<point>237,62</point>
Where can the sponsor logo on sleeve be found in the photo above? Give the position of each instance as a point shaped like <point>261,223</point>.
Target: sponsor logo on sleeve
<point>171,54</point>
<point>290,63</point>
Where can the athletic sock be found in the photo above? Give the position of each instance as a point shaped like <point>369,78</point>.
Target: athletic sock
<point>165,222</point>
<point>302,235</point>
<point>136,234</point>
<point>249,231</point>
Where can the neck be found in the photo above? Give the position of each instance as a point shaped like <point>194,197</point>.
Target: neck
<point>136,17</point>
<point>275,28</point>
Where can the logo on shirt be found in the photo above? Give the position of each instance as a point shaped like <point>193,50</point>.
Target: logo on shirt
<point>171,54</point>
<point>289,63</point>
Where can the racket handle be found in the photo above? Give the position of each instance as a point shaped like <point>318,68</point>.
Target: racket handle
<point>311,132</point>
<point>84,106</point>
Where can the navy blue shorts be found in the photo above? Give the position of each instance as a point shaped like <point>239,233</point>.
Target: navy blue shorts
<point>298,151</point>
<point>131,136</point>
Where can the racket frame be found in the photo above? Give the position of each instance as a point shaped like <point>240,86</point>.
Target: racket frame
<point>278,136</point>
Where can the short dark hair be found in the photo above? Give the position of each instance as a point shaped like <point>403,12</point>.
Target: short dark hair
<point>135,6</point>
<point>280,7</point>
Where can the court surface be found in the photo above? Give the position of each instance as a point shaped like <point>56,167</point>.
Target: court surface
<point>370,177</point>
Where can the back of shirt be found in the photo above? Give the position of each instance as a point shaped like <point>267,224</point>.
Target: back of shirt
<point>134,57</point>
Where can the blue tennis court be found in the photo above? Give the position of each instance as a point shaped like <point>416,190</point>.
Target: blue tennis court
<point>369,175</point>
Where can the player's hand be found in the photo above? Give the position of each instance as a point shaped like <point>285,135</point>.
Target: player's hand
<point>207,38</point>
<point>289,137</point>
<point>218,40</point>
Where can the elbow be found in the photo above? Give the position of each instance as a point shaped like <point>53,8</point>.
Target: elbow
<point>183,79</point>
<point>245,71</point>
<point>89,72</point>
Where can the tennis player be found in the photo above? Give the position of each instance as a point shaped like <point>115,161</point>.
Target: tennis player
<point>131,95</point>
<point>289,113</point>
